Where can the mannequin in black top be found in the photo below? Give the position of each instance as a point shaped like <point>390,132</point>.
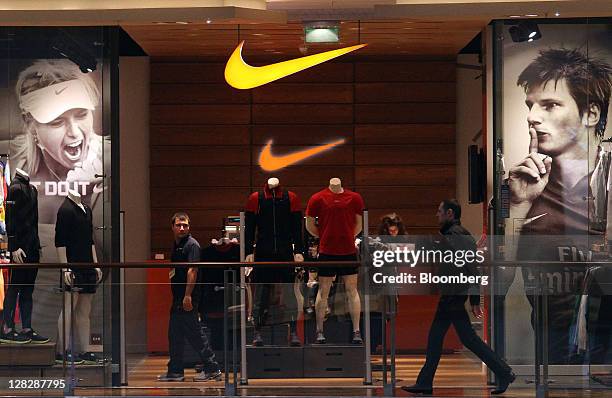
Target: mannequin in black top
<point>273,215</point>
<point>24,245</point>
<point>74,243</point>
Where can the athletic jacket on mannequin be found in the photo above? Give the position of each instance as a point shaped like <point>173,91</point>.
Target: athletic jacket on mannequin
<point>22,219</point>
<point>274,215</point>
<point>24,245</point>
<point>273,220</point>
<point>74,243</point>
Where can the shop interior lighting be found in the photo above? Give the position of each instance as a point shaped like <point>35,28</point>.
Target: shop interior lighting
<point>69,48</point>
<point>321,32</point>
<point>525,31</point>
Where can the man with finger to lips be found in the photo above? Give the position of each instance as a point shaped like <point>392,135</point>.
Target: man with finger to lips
<point>568,96</point>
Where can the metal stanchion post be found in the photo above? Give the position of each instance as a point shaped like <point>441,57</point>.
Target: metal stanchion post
<point>544,380</point>
<point>538,336</point>
<point>244,379</point>
<point>234,334</point>
<point>384,345</point>
<point>393,305</point>
<point>225,333</point>
<point>366,317</point>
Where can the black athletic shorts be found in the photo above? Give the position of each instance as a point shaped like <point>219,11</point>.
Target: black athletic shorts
<point>333,271</point>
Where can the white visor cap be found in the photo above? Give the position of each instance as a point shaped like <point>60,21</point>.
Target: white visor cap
<point>48,103</point>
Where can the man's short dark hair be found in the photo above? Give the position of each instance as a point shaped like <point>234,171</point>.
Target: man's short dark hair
<point>452,204</point>
<point>589,79</point>
<point>180,215</point>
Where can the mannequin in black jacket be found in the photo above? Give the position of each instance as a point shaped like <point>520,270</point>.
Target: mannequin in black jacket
<point>24,245</point>
<point>274,224</point>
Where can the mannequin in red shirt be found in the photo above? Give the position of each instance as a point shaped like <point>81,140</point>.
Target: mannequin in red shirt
<point>339,212</point>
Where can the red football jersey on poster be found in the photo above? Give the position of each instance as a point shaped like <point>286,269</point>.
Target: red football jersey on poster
<point>336,213</point>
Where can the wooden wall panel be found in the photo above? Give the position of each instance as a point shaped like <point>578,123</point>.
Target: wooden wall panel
<point>198,176</point>
<point>179,156</point>
<point>331,93</point>
<point>404,155</point>
<point>200,114</point>
<point>391,92</point>
<point>397,119</point>
<point>301,134</point>
<point>405,71</point>
<point>407,112</point>
<point>302,113</point>
<point>405,134</point>
<point>185,134</point>
<point>196,93</point>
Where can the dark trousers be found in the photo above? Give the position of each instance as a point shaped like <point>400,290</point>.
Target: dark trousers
<point>268,278</point>
<point>451,310</point>
<point>20,288</point>
<point>185,325</point>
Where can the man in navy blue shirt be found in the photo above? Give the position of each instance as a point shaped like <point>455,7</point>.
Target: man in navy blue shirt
<point>184,322</point>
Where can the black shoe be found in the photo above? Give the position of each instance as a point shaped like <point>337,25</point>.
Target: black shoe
<point>257,340</point>
<point>504,383</point>
<point>320,338</point>
<point>171,377</point>
<point>70,359</point>
<point>13,337</point>
<point>34,337</point>
<point>89,358</point>
<point>208,376</point>
<point>294,340</point>
<point>416,389</point>
<point>357,337</point>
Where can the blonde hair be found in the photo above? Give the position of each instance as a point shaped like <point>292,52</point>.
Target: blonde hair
<point>43,73</point>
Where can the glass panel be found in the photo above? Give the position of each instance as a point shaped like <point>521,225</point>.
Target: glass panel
<point>51,122</point>
<point>555,93</point>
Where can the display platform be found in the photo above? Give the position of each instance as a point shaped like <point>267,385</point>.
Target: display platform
<point>40,355</point>
<point>325,360</point>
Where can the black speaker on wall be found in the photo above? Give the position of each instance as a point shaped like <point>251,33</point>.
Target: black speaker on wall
<point>477,175</point>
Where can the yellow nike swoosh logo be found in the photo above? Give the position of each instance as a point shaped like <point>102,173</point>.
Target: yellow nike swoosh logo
<point>241,75</point>
<point>269,162</point>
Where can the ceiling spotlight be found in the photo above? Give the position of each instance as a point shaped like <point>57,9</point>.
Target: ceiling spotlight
<point>321,32</point>
<point>525,31</point>
<point>557,14</point>
<point>208,21</point>
<point>69,48</point>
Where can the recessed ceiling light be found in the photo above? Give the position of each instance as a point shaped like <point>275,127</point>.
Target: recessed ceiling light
<point>557,14</point>
<point>531,15</point>
<point>181,23</point>
<point>208,21</point>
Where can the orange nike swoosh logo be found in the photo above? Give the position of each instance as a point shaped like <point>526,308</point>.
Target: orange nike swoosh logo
<point>241,75</point>
<point>270,162</point>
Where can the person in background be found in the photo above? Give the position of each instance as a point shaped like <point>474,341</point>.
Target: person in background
<point>184,322</point>
<point>451,308</point>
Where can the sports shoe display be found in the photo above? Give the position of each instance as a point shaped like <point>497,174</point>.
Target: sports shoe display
<point>13,337</point>
<point>320,338</point>
<point>357,337</point>
<point>34,337</point>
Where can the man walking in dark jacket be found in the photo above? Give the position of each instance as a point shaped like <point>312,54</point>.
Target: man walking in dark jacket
<point>451,308</point>
<point>184,322</point>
